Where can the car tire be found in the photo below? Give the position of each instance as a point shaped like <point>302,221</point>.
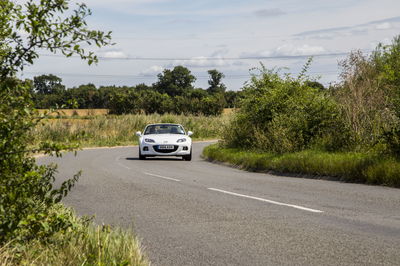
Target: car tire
<point>188,157</point>
<point>141,157</point>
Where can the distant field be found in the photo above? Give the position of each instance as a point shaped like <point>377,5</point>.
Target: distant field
<point>114,130</point>
<point>228,111</point>
<point>77,112</point>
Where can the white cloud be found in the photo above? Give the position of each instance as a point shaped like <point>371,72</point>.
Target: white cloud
<point>383,26</point>
<point>153,70</point>
<point>202,61</point>
<point>216,59</point>
<point>237,25</point>
<point>288,50</point>
<point>292,50</point>
<point>112,54</point>
<point>207,62</point>
<point>359,29</point>
<point>133,7</point>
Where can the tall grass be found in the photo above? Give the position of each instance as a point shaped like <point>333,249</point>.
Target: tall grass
<point>367,168</point>
<point>120,130</point>
<point>96,246</point>
<point>84,244</point>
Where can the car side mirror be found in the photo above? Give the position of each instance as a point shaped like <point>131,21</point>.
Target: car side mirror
<point>139,134</point>
<point>190,133</point>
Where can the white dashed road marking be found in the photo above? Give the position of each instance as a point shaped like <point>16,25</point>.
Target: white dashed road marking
<point>268,201</point>
<point>163,177</point>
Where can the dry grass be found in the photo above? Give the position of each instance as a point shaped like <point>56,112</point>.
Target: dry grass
<point>365,101</point>
<point>77,112</point>
<point>229,111</point>
<point>82,244</point>
<point>120,130</point>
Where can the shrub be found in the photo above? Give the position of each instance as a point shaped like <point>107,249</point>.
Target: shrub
<point>283,114</point>
<point>365,101</point>
<point>26,189</point>
<point>386,59</point>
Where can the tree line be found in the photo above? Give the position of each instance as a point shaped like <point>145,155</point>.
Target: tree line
<point>173,92</point>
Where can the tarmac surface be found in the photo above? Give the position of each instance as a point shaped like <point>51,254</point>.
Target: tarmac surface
<point>200,213</point>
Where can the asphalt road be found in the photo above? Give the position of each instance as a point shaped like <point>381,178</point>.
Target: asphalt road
<point>199,213</point>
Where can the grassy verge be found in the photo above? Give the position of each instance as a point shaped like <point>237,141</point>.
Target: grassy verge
<point>83,243</point>
<point>350,167</point>
<point>120,130</point>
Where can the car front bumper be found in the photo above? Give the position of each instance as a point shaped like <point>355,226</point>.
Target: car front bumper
<point>154,150</point>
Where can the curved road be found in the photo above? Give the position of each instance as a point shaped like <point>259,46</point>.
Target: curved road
<point>199,213</point>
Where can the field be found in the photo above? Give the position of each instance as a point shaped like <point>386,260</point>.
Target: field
<point>112,130</point>
<point>76,112</point>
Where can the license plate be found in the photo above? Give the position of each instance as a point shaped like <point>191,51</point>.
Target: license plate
<point>166,147</point>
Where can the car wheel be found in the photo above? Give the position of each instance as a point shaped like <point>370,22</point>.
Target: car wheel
<point>141,157</point>
<point>188,157</point>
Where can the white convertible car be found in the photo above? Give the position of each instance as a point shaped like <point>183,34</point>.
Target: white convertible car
<point>165,140</point>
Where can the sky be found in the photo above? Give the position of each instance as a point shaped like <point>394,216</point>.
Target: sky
<point>232,36</point>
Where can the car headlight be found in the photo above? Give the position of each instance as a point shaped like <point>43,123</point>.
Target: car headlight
<point>149,140</point>
<point>181,140</point>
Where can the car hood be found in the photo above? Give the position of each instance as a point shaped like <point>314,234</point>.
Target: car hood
<point>166,138</point>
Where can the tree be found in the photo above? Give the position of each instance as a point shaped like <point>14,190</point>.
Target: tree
<point>212,105</point>
<point>26,189</point>
<point>142,87</point>
<point>124,101</point>
<point>48,84</point>
<point>154,102</point>
<point>49,92</point>
<point>215,82</point>
<point>176,82</point>
<point>35,26</point>
<point>315,84</point>
<point>198,93</point>
<point>232,98</point>
<point>86,96</point>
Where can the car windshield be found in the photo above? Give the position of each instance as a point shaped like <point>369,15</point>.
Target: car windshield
<point>164,129</point>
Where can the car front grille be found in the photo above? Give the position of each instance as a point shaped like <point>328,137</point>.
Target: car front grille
<point>157,149</point>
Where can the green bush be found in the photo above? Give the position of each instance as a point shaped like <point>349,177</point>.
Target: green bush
<point>26,189</point>
<point>350,131</point>
<point>386,59</point>
<point>282,114</point>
